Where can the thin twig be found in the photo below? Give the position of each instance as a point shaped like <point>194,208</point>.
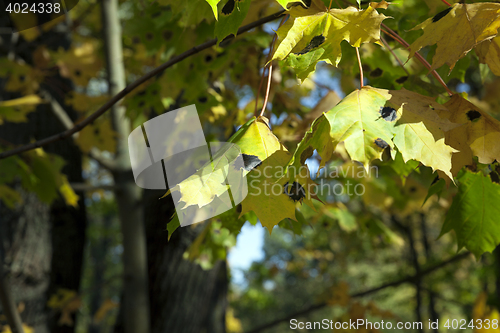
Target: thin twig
<point>268,58</point>
<point>401,41</point>
<point>394,55</point>
<point>66,121</point>
<point>408,279</point>
<point>270,73</point>
<point>360,68</point>
<point>158,70</point>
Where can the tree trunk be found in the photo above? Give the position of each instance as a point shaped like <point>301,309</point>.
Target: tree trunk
<point>135,301</point>
<point>184,297</point>
<point>43,244</point>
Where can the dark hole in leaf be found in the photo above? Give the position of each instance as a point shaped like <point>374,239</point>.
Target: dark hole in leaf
<point>388,113</point>
<point>366,68</point>
<point>22,78</point>
<point>141,104</point>
<point>78,73</point>
<point>315,42</point>
<point>136,40</point>
<point>376,72</point>
<point>210,74</point>
<point>250,161</point>
<point>142,93</point>
<point>307,3</point>
<point>167,34</point>
<point>228,7</point>
<point>202,99</point>
<point>412,189</point>
<point>308,152</point>
<point>208,58</point>
<point>96,131</point>
<point>473,115</point>
<point>149,36</point>
<point>156,14</point>
<point>494,177</point>
<point>402,79</point>
<point>440,15</point>
<point>191,66</point>
<point>381,143</point>
<point>154,92</point>
<point>324,224</point>
<point>238,209</point>
<point>294,191</point>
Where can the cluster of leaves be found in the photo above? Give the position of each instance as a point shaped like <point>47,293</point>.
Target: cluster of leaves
<point>394,118</point>
<point>447,136</point>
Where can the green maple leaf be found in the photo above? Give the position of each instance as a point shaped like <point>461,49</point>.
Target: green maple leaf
<point>232,15</point>
<point>370,120</point>
<point>473,215</point>
<point>315,34</point>
<point>266,197</point>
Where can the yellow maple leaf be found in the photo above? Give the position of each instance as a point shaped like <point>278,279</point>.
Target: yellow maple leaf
<point>457,30</point>
<point>314,34</point>
<point>489,53</point>
<point>266,195</point>
<point>479,135</point>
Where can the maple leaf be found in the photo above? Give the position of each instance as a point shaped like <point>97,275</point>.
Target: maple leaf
<point>266,197</point>
<point>233,14</point>
<point>370,120</point>
<point>478,136</point>
<point>209,181</point>
<point>357,121</point>
<point>457,30</point>
<point>419,132</point>
<point>489,53</point>
<point>474,213</point>
<point>314,34</point>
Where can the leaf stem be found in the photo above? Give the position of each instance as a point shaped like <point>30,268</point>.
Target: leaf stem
<point>270,72</point>
<point>360,68</point>
<point>396,37</point>
<point>446,2</point>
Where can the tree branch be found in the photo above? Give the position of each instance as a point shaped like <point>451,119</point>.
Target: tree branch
<point>78,127</point>
<point>66,121</point>
<point>408,279</point>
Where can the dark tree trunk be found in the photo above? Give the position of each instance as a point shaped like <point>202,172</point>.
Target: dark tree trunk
<point>43,244</point>
<point>183,296</point>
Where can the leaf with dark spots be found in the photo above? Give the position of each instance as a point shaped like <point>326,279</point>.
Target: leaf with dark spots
<point>250,162</point>
<point>494,177</point>
<point>376,72</point>
<point>228,7</point>
<point>402,79</point>
<point>473,115</point>
<point>388,113</point>
<point>315,42</point>
<point>440,15</point>
<point>294,191</point>
<point>381,143</point>
<point>202,99</point>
